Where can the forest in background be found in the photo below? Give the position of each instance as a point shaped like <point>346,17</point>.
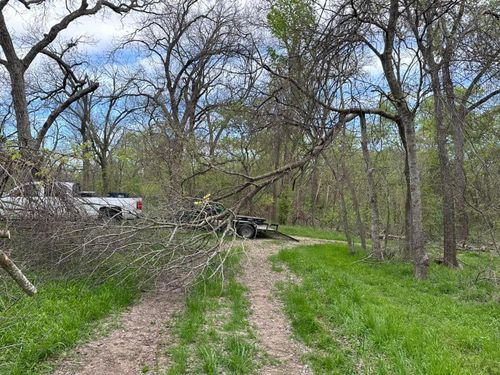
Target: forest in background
<point>376,118</point>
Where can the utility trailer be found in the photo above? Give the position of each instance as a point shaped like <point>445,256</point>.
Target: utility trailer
<point>252,227</point>
<point>246,226</point>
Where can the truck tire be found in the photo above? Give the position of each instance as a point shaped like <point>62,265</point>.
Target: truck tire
<point>109,213</point>
<point>246,231</point>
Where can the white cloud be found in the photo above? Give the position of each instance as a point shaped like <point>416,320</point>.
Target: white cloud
<point>28,25</point>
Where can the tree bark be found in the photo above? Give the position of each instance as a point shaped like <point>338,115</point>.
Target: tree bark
<point>8,265</point>
<point>314,192</point>
<point>462,219</point>
<point>449,243</point>
<point>276,161</point>
<point>348,183</point>
<point>407,121</point>
<point>417,231</point>
<point>375,222</point>
<point>105,175</point>
<point>407,245</point>
<point>86,139</point>
<point>343,207</point>
<point>20,103</point>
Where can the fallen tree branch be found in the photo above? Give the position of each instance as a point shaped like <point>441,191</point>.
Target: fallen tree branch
<point>8,265</point>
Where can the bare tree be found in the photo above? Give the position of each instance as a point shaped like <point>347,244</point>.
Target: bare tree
<point>17,65</point>
<point>385,34</point>
<point>103,117</point>
<point>197,54</point>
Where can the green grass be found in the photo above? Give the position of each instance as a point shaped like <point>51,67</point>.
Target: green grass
<point>360,317</point>
<point>213,335</point>
<point>321,233</point>
<point>62,314</point>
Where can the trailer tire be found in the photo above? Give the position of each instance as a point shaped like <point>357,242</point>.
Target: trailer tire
<point>247,231</point>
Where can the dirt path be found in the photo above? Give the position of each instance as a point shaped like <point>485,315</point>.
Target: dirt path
<point>132,348</point>
<point>273,328</point>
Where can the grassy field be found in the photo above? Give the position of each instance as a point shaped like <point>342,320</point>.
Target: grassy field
<point>62,314</point>
<point>360,317</point>
<point>212,335</point>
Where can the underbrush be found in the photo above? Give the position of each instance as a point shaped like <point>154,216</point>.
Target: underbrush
<point>375,318</point>
<point>62,314</point>
<point>212,335</point>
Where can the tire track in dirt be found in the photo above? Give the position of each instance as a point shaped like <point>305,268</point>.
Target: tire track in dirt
<point>133,347</point>
<point>267,316</point>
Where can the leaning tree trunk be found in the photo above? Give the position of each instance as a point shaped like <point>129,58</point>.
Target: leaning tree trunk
<point>375,222</point>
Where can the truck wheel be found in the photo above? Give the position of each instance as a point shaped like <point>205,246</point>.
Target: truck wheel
<point>110,213</point>
<point>246,231</point>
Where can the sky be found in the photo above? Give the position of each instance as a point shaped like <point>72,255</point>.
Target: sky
<point>100,30</point>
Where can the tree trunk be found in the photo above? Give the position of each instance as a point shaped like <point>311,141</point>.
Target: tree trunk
<point>18,91</point>
<point>105,175</point>
<point>407,245</point>
<point>276,162</point>
<point>343,207</point>
<point>421,258</point>
<point>462,220</point>
<point>86,150</point>
<point>450,251</point>
<point>345,219</point>
<point>359,223</point>
<point>314,192</point>
<point>456,116</point>
<point>375,223</point>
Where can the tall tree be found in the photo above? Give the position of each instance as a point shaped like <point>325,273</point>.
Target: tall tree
<point>385,34</point>
<point>17,63</point>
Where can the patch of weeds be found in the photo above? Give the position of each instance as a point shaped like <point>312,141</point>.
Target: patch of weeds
<point>376,317</point>
<point>213,334</point>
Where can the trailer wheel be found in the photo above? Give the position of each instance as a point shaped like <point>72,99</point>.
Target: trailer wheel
<point>246,231</point>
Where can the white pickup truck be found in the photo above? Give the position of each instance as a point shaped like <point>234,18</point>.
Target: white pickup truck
<point>66,198</point>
